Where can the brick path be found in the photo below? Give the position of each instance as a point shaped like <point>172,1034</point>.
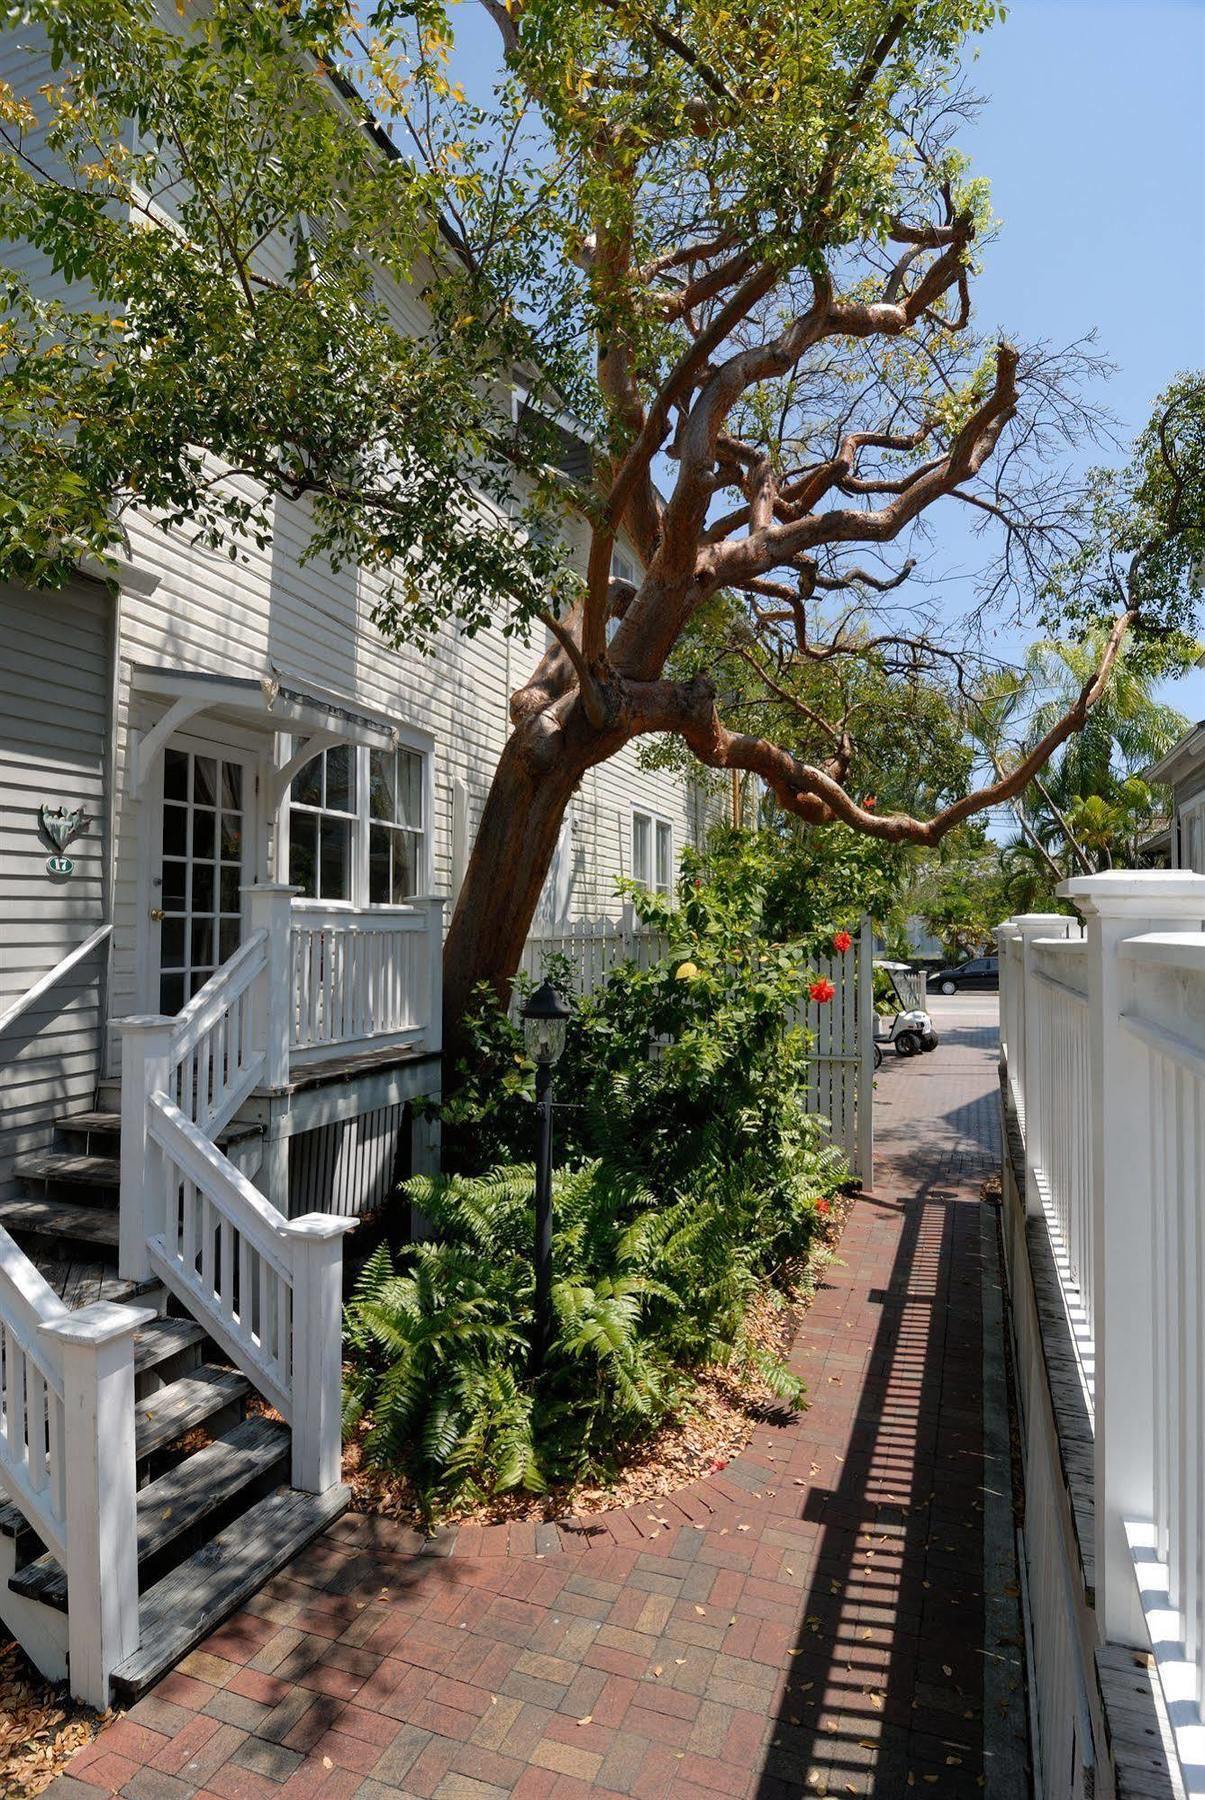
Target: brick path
<point>811,1621</point>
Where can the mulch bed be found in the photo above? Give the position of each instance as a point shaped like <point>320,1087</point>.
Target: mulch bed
<point>41,1727</point>
<point>715,1425</point>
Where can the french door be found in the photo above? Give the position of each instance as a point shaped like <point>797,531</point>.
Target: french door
<point>202,854</point>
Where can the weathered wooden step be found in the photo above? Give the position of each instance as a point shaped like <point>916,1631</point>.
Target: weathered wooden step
<point>100,1122</point>
<point>154,1343</point>
<point>179,1500</point>
<point>61,1219</point>
<point>96,1121</point>
<point>78,1281</point>
<point>175,1409</point>
<point>183,1608</point>
<point>79,1168</point>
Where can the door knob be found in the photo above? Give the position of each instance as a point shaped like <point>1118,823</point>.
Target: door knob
<point>156,913</point>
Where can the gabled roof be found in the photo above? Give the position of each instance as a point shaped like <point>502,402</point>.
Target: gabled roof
<point>1189,750</point>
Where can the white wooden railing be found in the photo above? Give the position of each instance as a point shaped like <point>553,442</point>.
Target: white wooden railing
<point>368,979</point>
<point>32,1454</point>
<point>267,1288</point>
<point>595,947</point>
<point>1105,1048</point>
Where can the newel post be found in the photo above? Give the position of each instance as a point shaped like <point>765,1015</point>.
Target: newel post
<point>315,1249</point>
<point>1118,905</point>
<point>95,1349</point>
<point>146,1044</point>
<point>433,1036</point>
<point>269,908</point>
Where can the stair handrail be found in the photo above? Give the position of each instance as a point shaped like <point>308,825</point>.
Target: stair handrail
<point>52,977</point>
<point>267,1288</point>
<point>67,1438</point>
<point>32,1464</point>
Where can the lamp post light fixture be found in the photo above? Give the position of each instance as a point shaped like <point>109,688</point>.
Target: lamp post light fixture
<point>545,1017</point>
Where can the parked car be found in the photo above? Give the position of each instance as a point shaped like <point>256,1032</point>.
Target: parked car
<point>980,975</point>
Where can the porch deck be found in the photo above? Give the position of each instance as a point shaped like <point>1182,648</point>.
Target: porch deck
<point>835,1613</point>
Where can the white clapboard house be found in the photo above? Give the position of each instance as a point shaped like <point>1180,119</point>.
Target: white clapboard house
<point>232,823</point>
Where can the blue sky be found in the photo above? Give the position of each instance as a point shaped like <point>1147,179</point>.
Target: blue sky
<point>1092,137</point>
<point>1094,143</point>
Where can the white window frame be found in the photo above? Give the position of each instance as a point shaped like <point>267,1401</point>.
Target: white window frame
<point>657,822</point>
<point>420,743</point>
<point>1190,815</point>
<point>321,810</point>
<point>623,568</point>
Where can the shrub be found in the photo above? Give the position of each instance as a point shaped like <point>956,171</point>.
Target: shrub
<point>690,1173</point>
<point>644,1292</point>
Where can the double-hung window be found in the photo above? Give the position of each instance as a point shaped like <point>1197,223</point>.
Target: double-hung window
<point>396,825</point>
<point>652,852</point>
<point>358,826</point>
<point>322,825</point>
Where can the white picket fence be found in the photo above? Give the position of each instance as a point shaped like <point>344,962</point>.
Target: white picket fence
<point>1104,1042</point>
<point>841,1069</point>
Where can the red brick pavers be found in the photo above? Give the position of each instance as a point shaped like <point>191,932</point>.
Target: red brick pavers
<point>808,1621</point>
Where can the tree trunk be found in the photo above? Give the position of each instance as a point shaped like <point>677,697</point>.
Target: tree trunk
<point>512,853</point>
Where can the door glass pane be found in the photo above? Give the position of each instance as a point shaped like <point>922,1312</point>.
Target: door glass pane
<point>205,780</point>
<point>203,896</point>
<point>174,892</point>
<point>175,775</point>
<point>203,824</point>
<point>232,785</point>
<point>175,831</point>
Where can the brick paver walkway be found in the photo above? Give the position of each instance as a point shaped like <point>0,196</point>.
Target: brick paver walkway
<point>810,1621</point>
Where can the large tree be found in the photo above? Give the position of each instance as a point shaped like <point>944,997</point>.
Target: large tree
<point>732,243</point>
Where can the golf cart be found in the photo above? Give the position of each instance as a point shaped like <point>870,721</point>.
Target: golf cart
<point>911,1029</point>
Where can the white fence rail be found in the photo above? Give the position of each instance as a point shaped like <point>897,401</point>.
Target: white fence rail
<point>841,1070</point>
<point>1105,1047</point>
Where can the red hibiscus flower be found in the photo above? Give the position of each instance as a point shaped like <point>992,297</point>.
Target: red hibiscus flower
<point>841,941</point>
<point>822,990</point>
<point>822,1206</point>
<point>869,803</point>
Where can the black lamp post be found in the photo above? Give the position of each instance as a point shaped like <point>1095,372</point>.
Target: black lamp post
<point>544,1019</point>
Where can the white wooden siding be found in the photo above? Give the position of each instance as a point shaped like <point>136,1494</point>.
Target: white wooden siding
<point>55,679</point>
<point>269,611</point>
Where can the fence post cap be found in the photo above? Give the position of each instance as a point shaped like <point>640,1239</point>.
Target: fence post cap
<point>146,1022</point>
<point>318,1226</point>
<point>1116,892</point>
<point>99,1323</point>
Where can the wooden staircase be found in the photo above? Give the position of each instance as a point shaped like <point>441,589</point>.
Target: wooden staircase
<point>215,1514</point>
